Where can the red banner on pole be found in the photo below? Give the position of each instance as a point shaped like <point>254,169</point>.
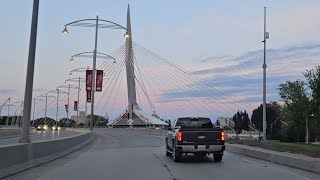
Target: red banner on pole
<point>75,106</point>
<point>89,96</point>
<point>99,80</point>
<point>88,80</point>
<point>66,106</point>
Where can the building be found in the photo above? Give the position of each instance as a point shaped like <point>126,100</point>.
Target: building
<point>225,121</point>
<point>82,117</point>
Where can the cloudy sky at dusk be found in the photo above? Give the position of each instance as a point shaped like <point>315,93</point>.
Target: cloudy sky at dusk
<point>217,41</point>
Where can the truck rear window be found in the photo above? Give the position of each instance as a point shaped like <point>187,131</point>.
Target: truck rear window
<point>194,123</point>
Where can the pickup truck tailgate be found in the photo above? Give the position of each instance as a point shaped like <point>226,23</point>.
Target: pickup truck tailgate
<point>203,137</point>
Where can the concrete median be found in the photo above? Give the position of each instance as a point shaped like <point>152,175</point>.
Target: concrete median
<point>19,157</point>
<point>283,158</point>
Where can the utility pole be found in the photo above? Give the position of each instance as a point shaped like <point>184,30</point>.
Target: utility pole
<point>94,74</point>
<point>264,66</point>
<point>78,100</point>
<point>25,132</point>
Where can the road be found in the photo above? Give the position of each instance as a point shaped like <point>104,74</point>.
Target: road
<point>124,155</point>
<point>39,136</point>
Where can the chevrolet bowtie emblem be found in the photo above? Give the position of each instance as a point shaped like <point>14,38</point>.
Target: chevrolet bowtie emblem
<point>201,137</point>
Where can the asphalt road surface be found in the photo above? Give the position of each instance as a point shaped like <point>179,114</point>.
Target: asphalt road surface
<point>40,136</point>
<point>125,155</point>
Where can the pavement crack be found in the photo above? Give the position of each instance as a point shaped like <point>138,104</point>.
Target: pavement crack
<point>166,166</point>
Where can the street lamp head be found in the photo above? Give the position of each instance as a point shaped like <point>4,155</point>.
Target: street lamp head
<point>71,60</point>
<point>127,35</point>
<point>114,62</point>
<point>65,31</point>
<point>312,115</point>
<point>70,74</point>
<point>65,82</point>
<point>104,75</point>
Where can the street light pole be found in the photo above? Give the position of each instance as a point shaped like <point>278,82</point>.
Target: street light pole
<point>34,109</point>
<point>25,132</point>
<point>93,74</point>
<point>57,112</point>
<point>68,102</point>
<point>264,118</point>
<point>110,25</point>
<point>45,110</point>
<point>78,100</point>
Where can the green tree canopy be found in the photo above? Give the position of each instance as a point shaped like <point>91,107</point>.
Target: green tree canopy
<point>274,118</point>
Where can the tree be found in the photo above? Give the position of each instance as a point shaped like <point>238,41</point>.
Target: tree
<point>245,121</point>
<point>98,120</point>
<point>296,107</point>
<point>313,83</point>
<point>42,121</point>
<point>274,119</point>
<point>218,123</point>
<point>241,121</point>
<point>66,122</point>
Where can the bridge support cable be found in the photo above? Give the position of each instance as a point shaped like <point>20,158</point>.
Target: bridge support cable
<point>113,76</point>
<point>157,98</point>
<point>177,83</point>
<point>224,105</point>
<point>160,84</point>
<point>117,73</point>
<point>188,79</point>
<point>149,83</point>
<point>142,86</point>
<point>190,75</point>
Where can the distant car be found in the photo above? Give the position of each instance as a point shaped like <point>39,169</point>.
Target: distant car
<point>39,128</point>
<point>55,128</point>
<point>42,127</point>
<point>196,135</point>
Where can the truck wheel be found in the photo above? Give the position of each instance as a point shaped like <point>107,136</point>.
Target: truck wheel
<point>167,151</point>
<point>217,157</point>
<point>176,155</point>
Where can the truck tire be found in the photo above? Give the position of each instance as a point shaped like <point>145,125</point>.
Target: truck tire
<point>176,155</point>
<point>217,157</point>
<point>167,151</point>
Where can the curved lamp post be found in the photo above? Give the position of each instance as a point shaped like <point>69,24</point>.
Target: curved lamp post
<point>75,87</point>
<point>34,108</point>
<point>45,110</point>
<point>97,23</point>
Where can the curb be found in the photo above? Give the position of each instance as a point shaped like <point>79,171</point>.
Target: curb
<point>15,169</point>
<point>307,163</point>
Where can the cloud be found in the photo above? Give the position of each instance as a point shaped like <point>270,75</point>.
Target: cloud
<point>238,82</point>
<point>7,91</point>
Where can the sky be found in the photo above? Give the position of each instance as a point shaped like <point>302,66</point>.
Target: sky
<point>218,41</point>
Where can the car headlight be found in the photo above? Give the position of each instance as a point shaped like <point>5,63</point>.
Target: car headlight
<point>59,128</point>
<point>45,127</point>
<point>53,127</point>
<point>38,127</point>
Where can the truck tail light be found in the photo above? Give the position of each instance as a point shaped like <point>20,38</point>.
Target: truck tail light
<point>179,136</point>
<point>223,136</point>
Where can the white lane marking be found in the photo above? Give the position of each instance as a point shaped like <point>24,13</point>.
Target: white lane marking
<point>243,158</point>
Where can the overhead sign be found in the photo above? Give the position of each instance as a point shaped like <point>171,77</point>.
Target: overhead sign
<point>66,106</point>
<point>89,96</point>
<point>75,106</point>
<point>99,80</point>
<point>88,80</point>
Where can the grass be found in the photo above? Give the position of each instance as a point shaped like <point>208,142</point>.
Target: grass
<point>312,150</point>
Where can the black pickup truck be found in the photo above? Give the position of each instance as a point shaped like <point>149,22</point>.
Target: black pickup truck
<point>196,135</point>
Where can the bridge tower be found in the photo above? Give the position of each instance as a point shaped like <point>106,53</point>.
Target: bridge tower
<point>133,111</point>
<point>131,85</point>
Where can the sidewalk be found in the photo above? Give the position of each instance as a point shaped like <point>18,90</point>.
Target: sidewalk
<point>285,158</point>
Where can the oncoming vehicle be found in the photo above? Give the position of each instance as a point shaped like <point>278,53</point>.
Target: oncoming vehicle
<point>196,135</point>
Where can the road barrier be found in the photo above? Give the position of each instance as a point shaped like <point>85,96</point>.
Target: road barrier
<point>18,157</point>
<point>288,159</point>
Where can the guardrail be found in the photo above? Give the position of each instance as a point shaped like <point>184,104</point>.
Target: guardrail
<point>21,156</point>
